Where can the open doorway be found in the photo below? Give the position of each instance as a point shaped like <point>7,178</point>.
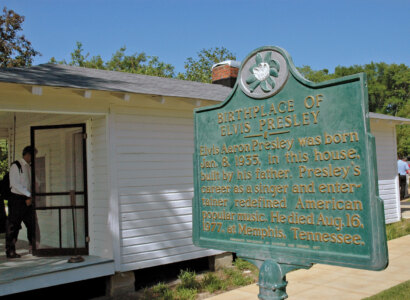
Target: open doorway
<point>59,179</point>
<point>70,188</point>
<point>59,189</point>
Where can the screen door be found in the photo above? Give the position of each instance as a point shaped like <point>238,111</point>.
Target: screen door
<point>59,189</point>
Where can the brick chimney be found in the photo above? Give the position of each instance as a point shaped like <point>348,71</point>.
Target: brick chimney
<point>225,72</point>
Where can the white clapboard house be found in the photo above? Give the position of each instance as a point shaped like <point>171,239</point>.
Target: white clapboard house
<point>114,165</point>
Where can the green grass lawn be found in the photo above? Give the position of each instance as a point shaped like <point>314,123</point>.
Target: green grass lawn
<point>401,291</point>
<point>398,292</point>
<point>398,229</point>
<point>190,284</point>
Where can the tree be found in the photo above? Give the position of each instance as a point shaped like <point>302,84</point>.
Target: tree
<point>138,63</point>
<point>3,158</point>
<point>15,49</point>
<point>200,68</point>
<point>403,131</point>
<point>77,57</point>
<point>403,140</point>
<point>388,87</point>
<point>315,76</point>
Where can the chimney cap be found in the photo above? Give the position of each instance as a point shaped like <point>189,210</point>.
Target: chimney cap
<point>231,63</point>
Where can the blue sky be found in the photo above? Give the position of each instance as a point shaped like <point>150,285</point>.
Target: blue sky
<point>322,34</point>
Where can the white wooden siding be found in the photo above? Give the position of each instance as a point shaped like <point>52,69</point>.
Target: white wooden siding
<point>155,188</point>
<point>100,240</point>
<point>386,150</point>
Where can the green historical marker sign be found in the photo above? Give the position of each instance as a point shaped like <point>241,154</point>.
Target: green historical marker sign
<point>285,173</point>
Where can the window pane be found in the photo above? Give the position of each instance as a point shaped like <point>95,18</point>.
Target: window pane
<point>67,228</point>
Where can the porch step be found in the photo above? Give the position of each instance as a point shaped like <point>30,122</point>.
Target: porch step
<point>29,272</point>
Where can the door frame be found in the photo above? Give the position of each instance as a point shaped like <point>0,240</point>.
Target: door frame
<point>60,250</point>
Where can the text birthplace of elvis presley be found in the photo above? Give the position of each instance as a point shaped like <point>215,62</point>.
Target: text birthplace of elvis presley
<point>286,167</point>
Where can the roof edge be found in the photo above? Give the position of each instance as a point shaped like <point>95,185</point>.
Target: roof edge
<point>378,116</point>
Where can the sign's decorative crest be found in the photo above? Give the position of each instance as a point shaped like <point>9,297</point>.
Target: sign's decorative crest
<point>263,74</point>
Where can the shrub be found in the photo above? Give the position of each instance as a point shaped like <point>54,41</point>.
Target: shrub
<point>185,294</point>
<point>188,280</point>
<point>242,265</point>
<point>212,283</point>
<point>237,278</point>
<point>161,291</point>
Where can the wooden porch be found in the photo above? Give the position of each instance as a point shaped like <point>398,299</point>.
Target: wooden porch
<point>30,272</point>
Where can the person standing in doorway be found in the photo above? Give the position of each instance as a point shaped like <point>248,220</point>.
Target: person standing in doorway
<point>403,169</point>
<point>20,203</point>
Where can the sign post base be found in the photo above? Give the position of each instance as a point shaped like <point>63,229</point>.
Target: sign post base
<point>272,277</point>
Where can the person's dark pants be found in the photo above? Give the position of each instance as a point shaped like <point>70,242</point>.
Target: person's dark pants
<point>18,212</point>
<point>402,182</point>
<point>3,216</point>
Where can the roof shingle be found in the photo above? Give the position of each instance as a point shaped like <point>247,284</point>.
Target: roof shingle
<point>93,79</point>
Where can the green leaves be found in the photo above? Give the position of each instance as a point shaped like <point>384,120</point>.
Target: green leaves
<point>15,49</point>
<point>77,57</point>
<point>200,68</point>
<point>388,87</point>
<point>137,63</point>
<point>3,158</point>
<point>196,69</point>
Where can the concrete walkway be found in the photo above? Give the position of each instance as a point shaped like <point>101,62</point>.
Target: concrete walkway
<point>337,283</point>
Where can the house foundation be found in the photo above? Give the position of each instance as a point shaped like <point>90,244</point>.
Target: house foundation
<point>120,284</point>
<point>220,261</point>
